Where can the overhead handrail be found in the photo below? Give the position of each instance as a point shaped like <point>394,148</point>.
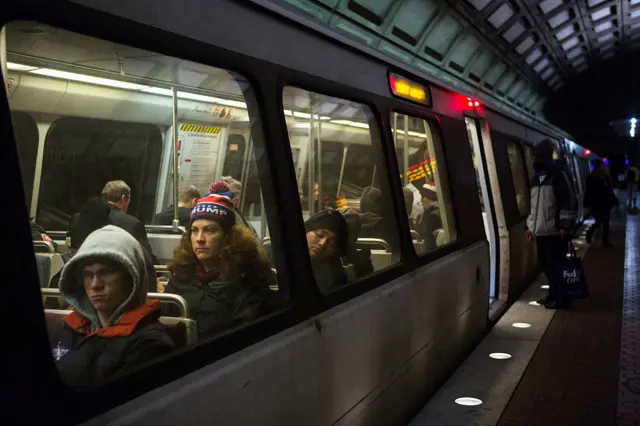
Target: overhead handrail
<point>162,297</point>
<point>44,247</point>
<point>374,241</point>
<point>164,229</point>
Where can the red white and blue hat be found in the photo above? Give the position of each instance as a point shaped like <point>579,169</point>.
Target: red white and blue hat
<point>215,207</point>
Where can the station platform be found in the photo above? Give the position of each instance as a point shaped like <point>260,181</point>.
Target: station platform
<point>579,366</point>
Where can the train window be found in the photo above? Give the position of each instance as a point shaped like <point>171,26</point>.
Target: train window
<point>519,176</point>
<point>99,151</point>
<point>26,131</point>
<point>112,112</point>
<point>529,160</point>
<point>339,165</point>
<point>426,190</point>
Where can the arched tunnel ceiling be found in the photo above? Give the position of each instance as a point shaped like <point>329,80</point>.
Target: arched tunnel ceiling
<point>516,54</point>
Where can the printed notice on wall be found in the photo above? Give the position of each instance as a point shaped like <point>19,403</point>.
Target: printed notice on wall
<point>199,150</point>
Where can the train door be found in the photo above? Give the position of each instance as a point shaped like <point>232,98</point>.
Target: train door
<point>486,178</point>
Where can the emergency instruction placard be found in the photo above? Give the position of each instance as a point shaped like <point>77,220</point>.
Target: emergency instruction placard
<point>199,150</point>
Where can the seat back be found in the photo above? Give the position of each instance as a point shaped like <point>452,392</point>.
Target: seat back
<point>49,264</point>
<point>381,256</point>
<point>349,271</point>
<point>163,245</point>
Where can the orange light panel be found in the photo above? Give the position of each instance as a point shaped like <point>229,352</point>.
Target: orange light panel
<point>407,89</point>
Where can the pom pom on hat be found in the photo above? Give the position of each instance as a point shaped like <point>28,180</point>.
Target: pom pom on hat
<point>221,188</point>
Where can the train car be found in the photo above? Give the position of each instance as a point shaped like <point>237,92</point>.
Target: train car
<point>163,94</point>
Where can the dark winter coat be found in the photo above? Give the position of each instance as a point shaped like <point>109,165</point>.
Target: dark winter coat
<point>429,223</point>
<point>166,217</point>
<point>553,203</point>
<point>133,226</point>
<point>599,195</point>
<point>217,304</point>
<point>85,358</point>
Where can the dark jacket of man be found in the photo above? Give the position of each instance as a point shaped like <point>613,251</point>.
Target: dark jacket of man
<point>133,226</point>
<point>165,217</point>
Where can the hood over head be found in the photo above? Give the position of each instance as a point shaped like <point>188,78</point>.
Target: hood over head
<point>112,244</point>
<point>370,201</point>
<point>353,224</point>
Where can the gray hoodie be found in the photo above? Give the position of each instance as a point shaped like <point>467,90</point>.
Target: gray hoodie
<point>117,245</point>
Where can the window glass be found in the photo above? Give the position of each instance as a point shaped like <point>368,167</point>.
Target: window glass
<point>426,188</point>
<point>519,176</point>
<point>26,133</point>
<point>338,163</point>
<point>108,114</point>
<point>529,160</point>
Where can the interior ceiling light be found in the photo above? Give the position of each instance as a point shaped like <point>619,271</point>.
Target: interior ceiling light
<point>521,325</point>
<point>499,355</point>
<point>468,401</point>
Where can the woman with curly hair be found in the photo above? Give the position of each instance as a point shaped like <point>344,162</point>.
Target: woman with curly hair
<point>219,269</point>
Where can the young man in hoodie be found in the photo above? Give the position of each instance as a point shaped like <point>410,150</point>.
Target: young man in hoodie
<point>113,328</point>
<point>551,220</point>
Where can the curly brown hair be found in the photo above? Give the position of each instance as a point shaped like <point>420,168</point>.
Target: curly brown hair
<point>240,250</point>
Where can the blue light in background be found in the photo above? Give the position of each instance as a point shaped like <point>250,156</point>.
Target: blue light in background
<point>626,161</point>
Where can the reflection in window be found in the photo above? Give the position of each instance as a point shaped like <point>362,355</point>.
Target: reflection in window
<point>426,190</point>
<point>82,154</point>
<point>338,166</point>
<point>26,133</point>
<point>113,118</point>
<point>519,176</point>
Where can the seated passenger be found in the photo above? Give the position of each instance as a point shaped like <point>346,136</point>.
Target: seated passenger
<point>327,235</point>
<point>118,194</point>
<point>38,233</point>
<point>373,223</point>
<point>219,269</point>
<point>359,258</point>
<point>430,221</point>
<point>220,187</point>
<point>113,328</point>
<point>187,199</point>
<point>236,189</point>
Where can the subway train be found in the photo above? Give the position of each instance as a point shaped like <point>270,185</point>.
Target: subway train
<point>163,94</point>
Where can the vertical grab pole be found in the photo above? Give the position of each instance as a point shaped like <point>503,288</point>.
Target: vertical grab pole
<point>310,164</point>
<point>344,159</point>
<point>405,154</point>
<point>319,154</point>
<point>176,221</point>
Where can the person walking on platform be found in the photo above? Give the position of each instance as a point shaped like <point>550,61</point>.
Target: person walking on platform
<point>631,176</point>
<point>551,220</point>
<point>600,199</point>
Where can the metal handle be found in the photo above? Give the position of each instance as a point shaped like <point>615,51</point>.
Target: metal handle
<point>161,268</point>
<point>162,297</point>
<point>415,235</point>
<point>374,241</point>
<point>164,229</point>
<point>39,245</point>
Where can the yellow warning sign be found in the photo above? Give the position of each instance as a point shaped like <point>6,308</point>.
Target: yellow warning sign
<point>200,129</point>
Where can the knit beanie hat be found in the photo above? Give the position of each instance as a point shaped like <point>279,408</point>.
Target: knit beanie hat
<point>333,221</point>
<point>217,208</point>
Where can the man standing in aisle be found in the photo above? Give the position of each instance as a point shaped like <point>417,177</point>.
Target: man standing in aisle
<point>551,220</point>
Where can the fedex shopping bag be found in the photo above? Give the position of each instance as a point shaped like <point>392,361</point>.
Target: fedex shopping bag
<point>572,275</point>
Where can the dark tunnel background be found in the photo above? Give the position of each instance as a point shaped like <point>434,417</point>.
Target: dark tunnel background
<point>589,102</point>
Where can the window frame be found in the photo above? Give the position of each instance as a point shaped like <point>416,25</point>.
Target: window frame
<point>434,125</point>
<point>96,400</point>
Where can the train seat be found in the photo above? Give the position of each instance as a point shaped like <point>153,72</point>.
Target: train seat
<point>163,245</point>
<point>381,254</point>
<point>49,264</point>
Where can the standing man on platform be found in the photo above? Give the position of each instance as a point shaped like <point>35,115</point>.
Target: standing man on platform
<point>551,220</point>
